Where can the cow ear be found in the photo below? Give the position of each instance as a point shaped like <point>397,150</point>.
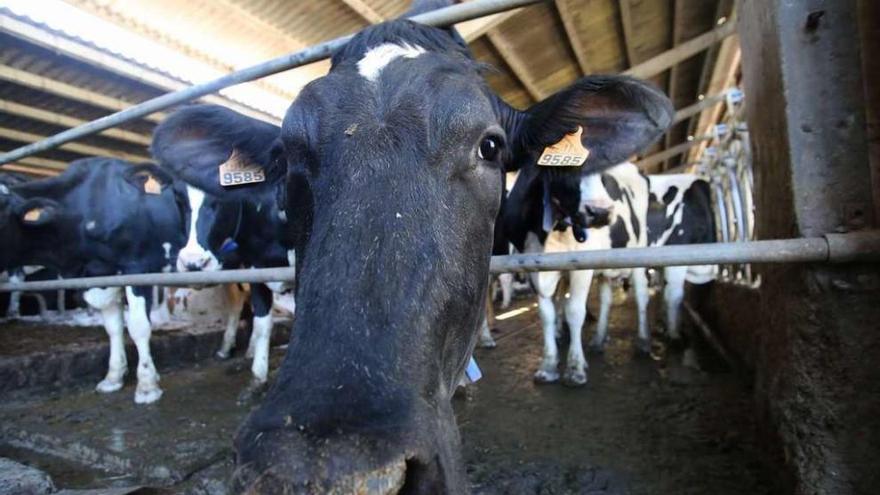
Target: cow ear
<point>597,122</point>
<point>37,212</point>
<point>148,178</point>
<point>220,151</point>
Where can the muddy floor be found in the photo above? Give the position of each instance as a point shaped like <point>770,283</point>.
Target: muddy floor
<point>640,426</point>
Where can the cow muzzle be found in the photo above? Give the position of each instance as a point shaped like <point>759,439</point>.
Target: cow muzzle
<point>194,260</point>
<point>598,216</point>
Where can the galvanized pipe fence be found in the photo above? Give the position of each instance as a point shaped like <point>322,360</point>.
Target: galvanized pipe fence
<point>441,17</point>
<point>862,246</point>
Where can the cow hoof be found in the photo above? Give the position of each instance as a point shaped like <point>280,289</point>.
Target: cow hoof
<point>643,347</point>
<point>487,343</point>
<point>596,346</point>
<point>222,355</point>
<point>574,378</point>
<point>546,376</point>
<point>147,396</point>
<point>252,392</point>
<point>108,386</point>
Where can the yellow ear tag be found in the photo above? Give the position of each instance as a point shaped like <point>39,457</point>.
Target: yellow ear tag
<point>33,215</point>
<point>568,152</point>
<point>152,186</point>
<point>237,170</point>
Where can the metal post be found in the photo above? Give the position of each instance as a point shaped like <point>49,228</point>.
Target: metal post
<point>863,246</point>
<point>440,17</point>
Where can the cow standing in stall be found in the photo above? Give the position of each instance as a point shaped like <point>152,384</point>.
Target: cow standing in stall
<point>679,212</point>
<point>101,216</point>
<point>245,232</point>
<point>563,213</point>
<point>391,165</point>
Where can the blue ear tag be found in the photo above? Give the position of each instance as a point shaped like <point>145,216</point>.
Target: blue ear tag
<point>473,371</point>
<point>547,224</point>
<point>228,246</point>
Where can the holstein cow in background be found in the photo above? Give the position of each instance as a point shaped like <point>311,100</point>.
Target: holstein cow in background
<point>391,165</point>
<point>243,232</point>
<point>562,213</point>
<point>679,211</point>
<point>99,217</point>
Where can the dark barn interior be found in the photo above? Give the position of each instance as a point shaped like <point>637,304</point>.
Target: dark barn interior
<point>776,389</point>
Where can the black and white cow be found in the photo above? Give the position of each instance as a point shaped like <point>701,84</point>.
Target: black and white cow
<point>222,233</point>
<point>680,212</point>
<point>576,213</point>
<point>99,217</point>
<point>391,165</point>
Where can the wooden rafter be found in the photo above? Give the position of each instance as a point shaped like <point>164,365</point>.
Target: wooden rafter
<point>723,77</point>
<point>58,119</point>
<point>724,8</point>
<point>36,161</point>
<point>69,92</point>
<point>677,20</point>
<point>84,149</point>
<point>697,108</point>
<point>37,172</point>
<point>517,65</point>
<point>667,59</point>
<point>473,29</point>
<point>656,158</point>
<point>628,35</point>
<point>574,41</point>
<point>365,11</point>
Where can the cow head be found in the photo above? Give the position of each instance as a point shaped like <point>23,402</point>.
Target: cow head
<point>393,166</point>
<point>22,219</point>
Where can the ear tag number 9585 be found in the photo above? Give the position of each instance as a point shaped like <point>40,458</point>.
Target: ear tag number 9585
<point>237,171</point>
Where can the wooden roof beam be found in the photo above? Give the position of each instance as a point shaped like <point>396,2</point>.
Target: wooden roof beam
<point>697,108</point>
<point>66,121</point>
<point>724,7</point>
<point>724,76</point>
<point>666,154</point>
<point>475,28</point>
<point>83,149</point>
<point>574,41</point>
<point>365,11</point>
<point>36,161</point>
<point>69,92</point>
<point>517,65</point>
<point>672,84</point>
<point>36,172</point>
<point>667,59</point>
<point>628,35</point>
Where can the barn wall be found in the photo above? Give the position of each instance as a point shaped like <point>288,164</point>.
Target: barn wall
<point>817,381</point>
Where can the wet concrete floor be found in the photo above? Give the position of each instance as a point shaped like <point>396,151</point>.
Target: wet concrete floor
<point>640,426</point>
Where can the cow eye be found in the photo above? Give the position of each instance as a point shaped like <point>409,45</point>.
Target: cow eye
<point>490,146</point>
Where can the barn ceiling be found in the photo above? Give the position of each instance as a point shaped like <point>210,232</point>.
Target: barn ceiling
<point>51,79</point>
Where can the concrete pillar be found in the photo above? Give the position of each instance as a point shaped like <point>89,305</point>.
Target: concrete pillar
<point>817,377</point>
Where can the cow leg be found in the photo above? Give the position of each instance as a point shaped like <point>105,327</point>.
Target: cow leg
<point>673,294</point>
<point>41,304</point>
<point>640,284</point>
<point>139,330</point>
<point>545,284</point>
<point>108,302</point>
<point>234,303</point>
<point>506,282</point>
<point>261,301</point>
<point>485,339</point>
<point>575,314</point>
<point>14,310</point>
<point>606,297</point>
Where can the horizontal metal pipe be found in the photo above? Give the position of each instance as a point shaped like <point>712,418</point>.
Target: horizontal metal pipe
<point>440,17</point>
<point>836,248</point>
<point>780,251</point>
<point>169,279</point>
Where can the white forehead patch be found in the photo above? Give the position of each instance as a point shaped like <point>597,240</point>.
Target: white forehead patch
<point>378,57</point>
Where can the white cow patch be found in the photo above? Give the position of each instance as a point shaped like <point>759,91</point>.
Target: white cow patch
<point>380,56</point>
<point>194,253</point>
